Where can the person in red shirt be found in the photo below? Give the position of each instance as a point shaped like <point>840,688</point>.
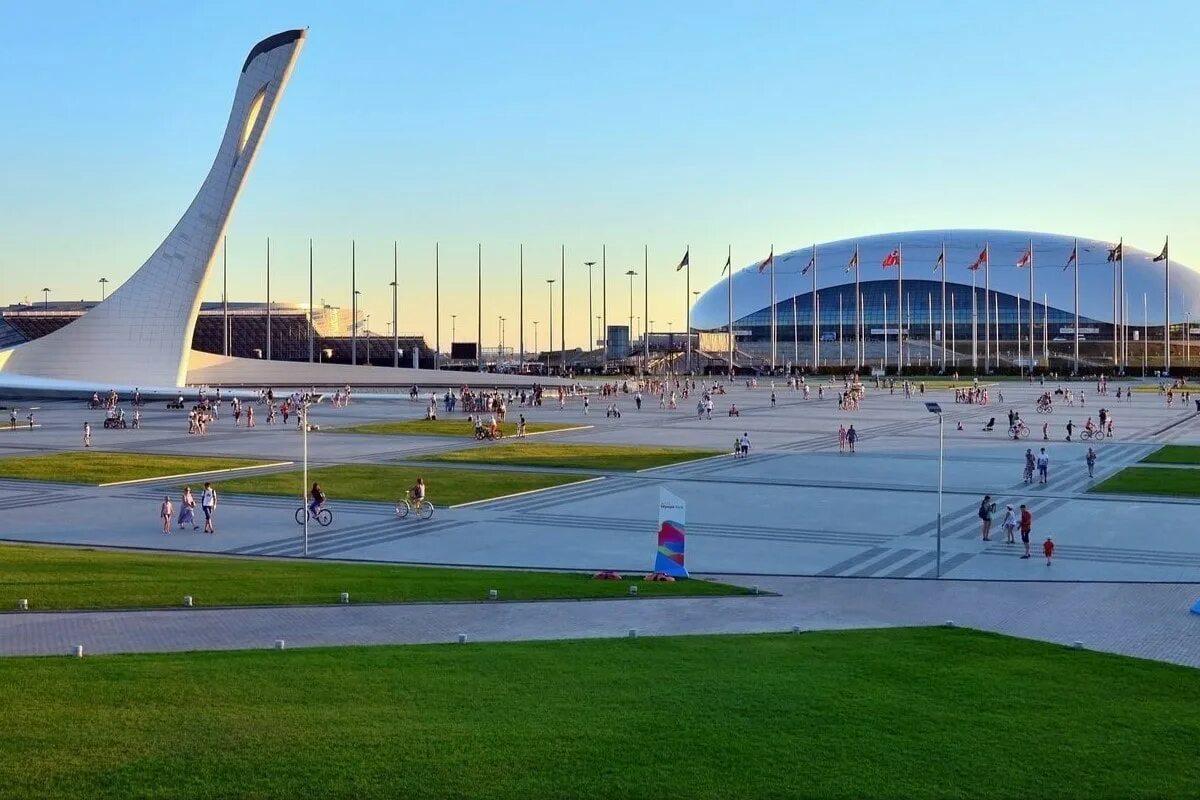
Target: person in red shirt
<point>1026,528</point>
<point>1048,549</point>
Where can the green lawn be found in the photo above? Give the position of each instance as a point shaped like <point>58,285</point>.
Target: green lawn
<point>1152,388</point>
<point>1174,454</point>
<point>1151,480</point>
<point>945,713</point>
<point>387,483</point>
<point>579,456</point>
<point>457,426</point>
<point>95,467</point>
<point>61,578</point>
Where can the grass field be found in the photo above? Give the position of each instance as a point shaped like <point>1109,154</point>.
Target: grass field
<point>95,467</point>
<point>1151,480</point>
<point>579,456</point>
<point>457,426</point>
<point>1174,454</point>
<point>1153,389</point>
<point>945,713</point>
<point>62,578</point>
<point>386,483</point>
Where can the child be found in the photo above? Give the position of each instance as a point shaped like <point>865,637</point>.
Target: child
<point>737,447</point>
<point>1048,549</point>
<point>165,511</point>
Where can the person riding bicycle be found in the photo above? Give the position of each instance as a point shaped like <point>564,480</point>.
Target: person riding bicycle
<point>317,499</point>
<point>416,494</point>
<point>1089,427</point>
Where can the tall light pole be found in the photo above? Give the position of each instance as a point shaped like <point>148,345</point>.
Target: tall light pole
<point>354,329</point>
<point>453,317</point>
<point>550,285</point>
<point>45,298</point>
<point>500,339</point>
<point>591,334</point>
<point>304,486</point>
<point>395,331</point>
<point>535,339</point>
<point>103,289</point>
<point>935,408</point>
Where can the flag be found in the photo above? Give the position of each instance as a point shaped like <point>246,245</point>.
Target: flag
<point>1114,253</point>
<point>941,262</point>
<point>892,259</point>
<point>686,257</point>
<point>983,259</point>
<point>1074,256</point>
<point>853,261</point>
<point>812,262</point>
<point>1163,255</point>
<point>1025,259</point>
<point>728,264</point>
<point>770,262</point>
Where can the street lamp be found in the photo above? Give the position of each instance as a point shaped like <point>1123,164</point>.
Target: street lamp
<point>354,329</point>
<point>103,288</point>
<point>535,346</point>
<point>550,285</point>
<point>452,318</point>
<point>368,332</point>
<point>631,273</point>
<point>394,332</point>
<point>591,335</point>
<point>934,408</point>
<point>500,334</point>
<point>45,298</point>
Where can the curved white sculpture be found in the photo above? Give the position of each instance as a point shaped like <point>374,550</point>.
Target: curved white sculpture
<point>142,334</point>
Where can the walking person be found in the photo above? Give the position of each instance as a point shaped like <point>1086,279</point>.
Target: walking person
<point>1026,527</point>
<point>208,504</point>
<point>851,437</point>
<point>87,434</point>
<point>1070,429</point>
<point>1030,464</point>
<point>1091,462</point>
<point>165,512</point>
<point>187,509</point>
<point>841,438</point>
<point>1009,524</point>
<point>1043,465</point>
<point>1048,549</point>
<point>987,509</point>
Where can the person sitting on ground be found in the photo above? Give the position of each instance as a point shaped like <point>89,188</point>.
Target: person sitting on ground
<point>733,410</point>
<point>991,423</point>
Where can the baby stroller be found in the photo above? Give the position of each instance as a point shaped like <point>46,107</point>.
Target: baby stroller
<point>991,424</point>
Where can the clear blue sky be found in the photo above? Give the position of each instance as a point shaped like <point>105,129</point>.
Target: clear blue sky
<point>623,123</point>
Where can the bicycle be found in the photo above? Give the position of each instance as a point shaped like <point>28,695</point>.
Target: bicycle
<point>423,509</point>
<point>1090,436</point>
<point>324,516</point>
<point>1045,408</point>
<point>1019,431</point>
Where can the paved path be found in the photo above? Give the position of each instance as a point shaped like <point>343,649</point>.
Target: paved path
<point>1145,620</point>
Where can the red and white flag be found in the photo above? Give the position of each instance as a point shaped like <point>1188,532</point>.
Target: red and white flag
<point>892,259</point>
<point>1026,259</point>
<point>1071,260</point>
<point>979,262</point>
<point>770,261</point>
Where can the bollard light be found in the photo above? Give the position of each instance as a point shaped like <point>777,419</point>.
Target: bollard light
<point>187,600</point>
<point>462,638</point>
<point>797,629</point>
<point>23,604</point>
<point>633,633</point>
<point>633,591</point>
<point>280,644</point>
<point>1077,645</point>
<point>949,623</point>
<point>754,589</point>
<point>78,651</point>
<point>344,597</point>
<point>493,594</point>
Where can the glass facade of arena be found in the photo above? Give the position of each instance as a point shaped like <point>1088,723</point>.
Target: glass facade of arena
<point>922,304</point>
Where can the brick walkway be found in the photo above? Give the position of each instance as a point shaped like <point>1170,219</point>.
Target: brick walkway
<point>1144,620</point>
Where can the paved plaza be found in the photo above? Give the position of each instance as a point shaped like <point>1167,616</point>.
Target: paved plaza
<point>796,506</point>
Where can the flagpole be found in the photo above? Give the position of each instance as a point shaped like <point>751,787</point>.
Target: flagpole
<point>996,323</point>
<point>1124,309</point>
<point>815,323</point>
<point>1031,301</point>
<point>885,341</point>
<point>562,310</point>
<point>437,304</point>
<point>225,287</point>
<point>729,301</point>
<point>975,316</point>
<point>1118,292</point>
<point>1022,369</point>
<point>1046,328</point>
<point>943,306</point>
<point>310,301</point>
<point>1076,251</point>
<point>353,306</point>
<point>795,334</point>
<point>774,316</point>
<point>479,306</point>
<point>987,310</point>
<point>395,291</point>
<point>521,305</point>
<point>604,299</point>
<point>646,307</point>
<point>953,332</point>
<point>859,346</point>
<point>268,298</point>
<point>900,310</point>
<point>1167,306</point>
<point>687,300</point>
